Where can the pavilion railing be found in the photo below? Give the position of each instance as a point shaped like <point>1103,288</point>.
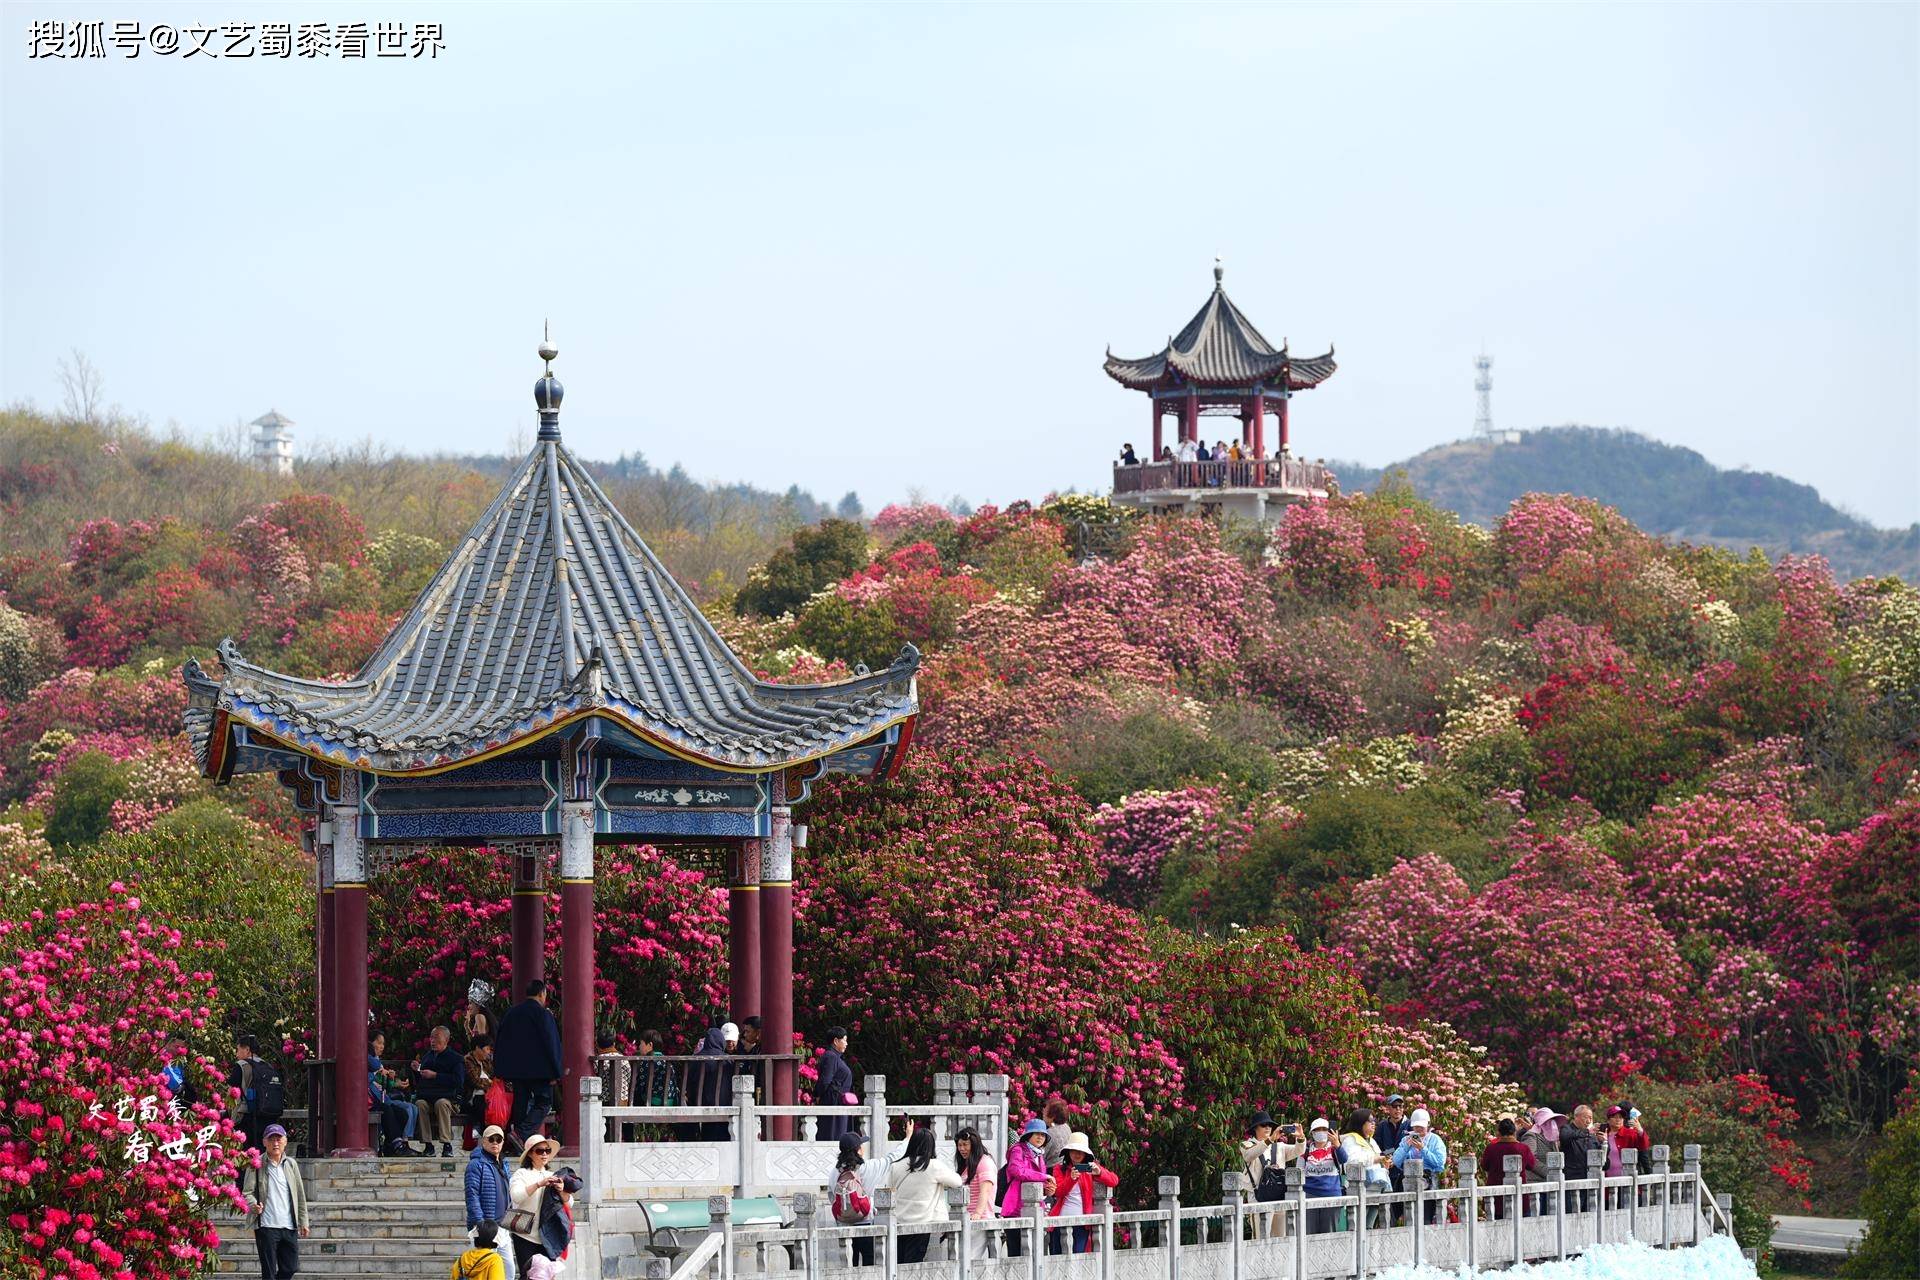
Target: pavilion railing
<point>682,1079</point>
<point>760,1148</point>
<point>1268,473</point>
<point>1359,1233</point>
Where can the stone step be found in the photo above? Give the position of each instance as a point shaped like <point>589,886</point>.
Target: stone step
<point>427,1258</point>
<point>363,1236</point>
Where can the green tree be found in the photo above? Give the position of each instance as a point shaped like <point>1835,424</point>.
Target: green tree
<point>1891,1247</point>
<point>83,797</point>
<point>817,557</point>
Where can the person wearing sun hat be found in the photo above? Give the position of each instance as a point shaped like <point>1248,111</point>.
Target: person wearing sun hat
<point>1420,1145</point>
<point>533,1186</point>
<point>1073,1182</point>
<point>1026,1162</point>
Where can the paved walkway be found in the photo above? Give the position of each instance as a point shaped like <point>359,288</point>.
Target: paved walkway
<point>1817,1235</point>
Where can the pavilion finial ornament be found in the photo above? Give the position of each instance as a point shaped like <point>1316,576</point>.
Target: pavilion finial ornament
<point>547,392</point>
<point>1219,272</point>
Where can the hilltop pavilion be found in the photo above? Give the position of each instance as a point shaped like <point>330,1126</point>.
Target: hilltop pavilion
<point>553,685</point>
<point>1219,365</point>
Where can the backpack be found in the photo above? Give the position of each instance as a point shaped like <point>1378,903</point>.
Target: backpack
<point>269,1091</point>
<point>851,1203</point>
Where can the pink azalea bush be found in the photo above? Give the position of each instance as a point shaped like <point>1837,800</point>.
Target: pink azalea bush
<point>948,923</point>
<point>99,1180</point>
<point>1389,929</point>
<point>441,918</point>
<point>1558,971</point>
<point>1715,865</point>
<point>1138,834</point>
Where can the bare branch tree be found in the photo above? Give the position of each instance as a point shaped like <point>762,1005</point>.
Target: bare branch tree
<point>81,384</point>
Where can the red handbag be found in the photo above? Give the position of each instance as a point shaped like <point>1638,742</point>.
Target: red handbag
<point>499,1103</point>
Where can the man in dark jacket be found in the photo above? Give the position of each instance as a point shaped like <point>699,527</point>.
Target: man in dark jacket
<point>526,1055</point>
<point>246,1115</point>
<point>835,1083</point>
<point>440,1080</point>
<point>1577,1138</point>
<point>1389,1126</point>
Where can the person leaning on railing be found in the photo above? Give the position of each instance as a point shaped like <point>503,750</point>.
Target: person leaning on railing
<point>919,1193</point>
<point>974,1163</point>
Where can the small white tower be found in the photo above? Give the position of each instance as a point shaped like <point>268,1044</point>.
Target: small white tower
<point>273,443</point>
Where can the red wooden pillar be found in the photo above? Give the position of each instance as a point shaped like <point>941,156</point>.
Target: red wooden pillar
<point>576,959</point>
<point>1260,424</point>
<point>1190,428</point>
<point>529,955</point>
<point>326,1026</point>
<point>1283,423</point>
<point>350,1099</point>
<point>1155,406</point>
<point>776,939</point>
<point>743,932</point>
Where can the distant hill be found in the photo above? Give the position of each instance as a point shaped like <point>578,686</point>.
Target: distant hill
<point>1665,489</point>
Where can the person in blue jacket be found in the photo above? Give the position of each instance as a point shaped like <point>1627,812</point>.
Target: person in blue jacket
<point>486,1186</point>
<point>1420,1143</point>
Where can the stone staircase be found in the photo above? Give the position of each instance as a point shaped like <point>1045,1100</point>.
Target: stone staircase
<point>370,1219</point>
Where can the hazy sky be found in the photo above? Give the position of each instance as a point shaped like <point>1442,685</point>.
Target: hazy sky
<point>884,249</point>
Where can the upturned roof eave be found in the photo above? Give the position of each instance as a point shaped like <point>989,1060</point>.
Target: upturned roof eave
<point>334,748</point>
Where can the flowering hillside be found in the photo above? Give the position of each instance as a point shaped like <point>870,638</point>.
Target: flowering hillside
<point>1198,819</point>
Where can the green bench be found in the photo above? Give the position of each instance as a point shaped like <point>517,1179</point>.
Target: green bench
<point>674,1226</point>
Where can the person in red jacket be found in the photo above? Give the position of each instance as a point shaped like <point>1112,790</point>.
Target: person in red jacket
<point>1073,1181</point>
<point>1493,1161</point>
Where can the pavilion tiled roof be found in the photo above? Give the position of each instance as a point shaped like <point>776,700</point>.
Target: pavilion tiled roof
<point>1219,347</point>
<point>480,662</point>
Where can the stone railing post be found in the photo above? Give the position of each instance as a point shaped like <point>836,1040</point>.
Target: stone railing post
<point>1033,1207</point>
<point>1557,1174</point>
<point>746,1134</point>
<point>1233,1194</point>
<point>593,1135</point>
<point>1597,1170</point>
<point>1630,1165</point>
<point>1103,1205</point>
<point>1469,1172</point>
<point>943,1097</point>
<point>876,1116</point>
<point>803,1222</point>
<point>1690,1189</point>
<point>1662,1173</point>
<point>720,1223</point>
<point>1513,1172</point>
<point>990,1094</point>
<point>1413,1177</point>
<point>958,1206</point>
<point>883,1214</point>
<point>1297,1192</point>
<point>1357,1188</point>
<point>1725,1200</point>
<point>1169,1205</point>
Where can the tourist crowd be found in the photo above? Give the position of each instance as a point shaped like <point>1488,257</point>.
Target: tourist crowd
<point>518,1205</point>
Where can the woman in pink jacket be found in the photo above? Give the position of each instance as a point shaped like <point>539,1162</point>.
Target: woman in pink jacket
<point>1027,1162</point>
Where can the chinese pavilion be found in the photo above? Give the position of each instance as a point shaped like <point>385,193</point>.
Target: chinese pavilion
<point>553,685</point>
<point>1219,365</point>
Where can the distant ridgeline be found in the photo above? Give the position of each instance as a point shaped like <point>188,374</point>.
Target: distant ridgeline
<point>795,506</point>
<point>1665,489</point>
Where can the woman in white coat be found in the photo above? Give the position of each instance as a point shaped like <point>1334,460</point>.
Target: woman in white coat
<point>920,1193</point>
